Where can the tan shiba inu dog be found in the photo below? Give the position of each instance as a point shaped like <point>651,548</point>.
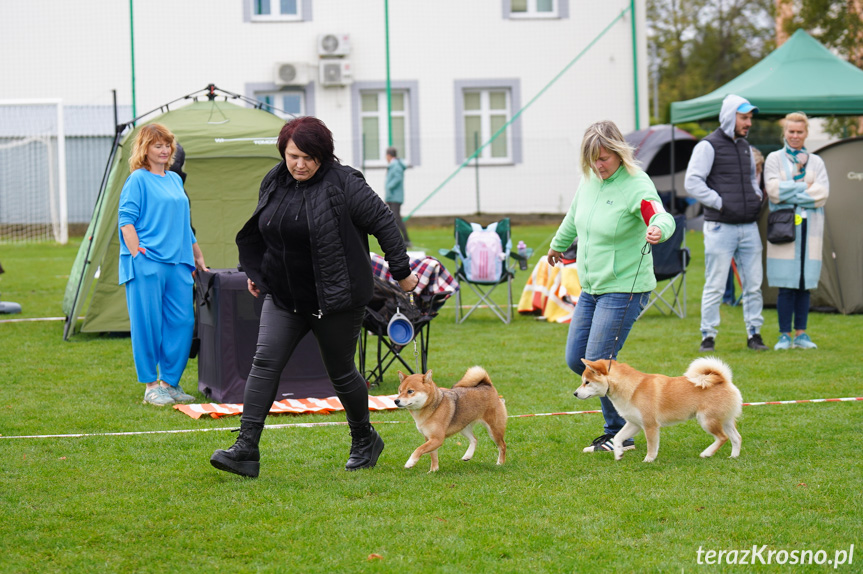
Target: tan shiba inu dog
<point>704,392</point>
<point>440,412</point>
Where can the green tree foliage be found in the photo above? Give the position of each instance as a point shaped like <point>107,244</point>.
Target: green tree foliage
<point>702,44</point>
<point>838,24</point>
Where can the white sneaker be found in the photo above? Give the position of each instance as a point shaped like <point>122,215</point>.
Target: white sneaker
<point>178,394</point>
<point>158,396</point>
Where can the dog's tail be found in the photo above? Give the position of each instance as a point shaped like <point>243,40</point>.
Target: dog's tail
<point>474,377</point>
<point>708,371</point>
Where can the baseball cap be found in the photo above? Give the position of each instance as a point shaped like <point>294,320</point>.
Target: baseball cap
<point>746,107</point>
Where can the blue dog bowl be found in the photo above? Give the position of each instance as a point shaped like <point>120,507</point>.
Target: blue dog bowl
<point>400,330</point>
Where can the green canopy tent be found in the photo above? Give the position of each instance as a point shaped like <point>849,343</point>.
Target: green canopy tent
<point>229,148</point>
<point>803,75</point>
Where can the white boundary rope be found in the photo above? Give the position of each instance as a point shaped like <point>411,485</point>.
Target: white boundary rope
<point>339,423</point>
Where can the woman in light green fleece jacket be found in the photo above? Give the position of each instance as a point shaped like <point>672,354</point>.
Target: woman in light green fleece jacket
<point>614,211</point>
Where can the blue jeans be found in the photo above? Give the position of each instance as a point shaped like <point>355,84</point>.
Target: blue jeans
<point>722,241</point>
<point>792,302</point>
<point>596,322</point>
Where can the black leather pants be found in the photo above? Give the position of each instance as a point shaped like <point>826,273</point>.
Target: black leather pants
<point>280,333</point>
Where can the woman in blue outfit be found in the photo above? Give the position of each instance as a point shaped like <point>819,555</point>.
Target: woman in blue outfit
<point>614,211</point>
<point>158,254</point>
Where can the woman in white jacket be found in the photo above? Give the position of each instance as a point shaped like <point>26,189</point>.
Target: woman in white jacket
<point>796,179</point>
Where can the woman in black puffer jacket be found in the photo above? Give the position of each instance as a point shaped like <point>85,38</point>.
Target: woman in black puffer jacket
<point>306,250</point>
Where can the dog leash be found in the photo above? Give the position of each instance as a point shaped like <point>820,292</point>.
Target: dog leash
<point>644,251</point>
<point>416,353</point>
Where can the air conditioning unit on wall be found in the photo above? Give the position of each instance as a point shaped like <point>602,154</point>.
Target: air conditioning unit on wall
<point>334,45</point>
<point>335,73</point>
<point>291,74</point>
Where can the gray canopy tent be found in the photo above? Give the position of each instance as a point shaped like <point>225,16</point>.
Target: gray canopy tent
<point>664,152</point>
<point>803,75</point>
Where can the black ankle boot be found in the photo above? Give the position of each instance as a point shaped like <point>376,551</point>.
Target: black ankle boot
<point>243,457</point>
<point>366,447</point>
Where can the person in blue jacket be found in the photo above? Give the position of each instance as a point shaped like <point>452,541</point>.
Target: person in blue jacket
<point>158,255</point>
<point>395,189</point>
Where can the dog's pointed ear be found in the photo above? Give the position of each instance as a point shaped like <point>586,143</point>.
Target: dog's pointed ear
<point>427,378</point>
<point>590,365</point>
<point>603,367</point>
<point>402,377</point>
<point>597,367</point>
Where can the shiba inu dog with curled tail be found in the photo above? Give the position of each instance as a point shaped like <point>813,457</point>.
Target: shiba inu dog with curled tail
<point>441,412</point>
<point>705,392</point>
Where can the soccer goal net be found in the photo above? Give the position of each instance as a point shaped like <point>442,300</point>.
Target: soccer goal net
<point>32,172</point>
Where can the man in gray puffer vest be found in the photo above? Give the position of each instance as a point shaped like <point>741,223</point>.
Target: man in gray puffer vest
<point>721,176</point>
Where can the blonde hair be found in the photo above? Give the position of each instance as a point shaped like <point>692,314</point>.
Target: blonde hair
<point>759,157</point>
<point>795,117</point>
<point>605,134</point>
<point>147,136</point>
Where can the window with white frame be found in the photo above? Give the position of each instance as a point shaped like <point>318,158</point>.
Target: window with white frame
<point>485,112</point>
<point>535,8</point>
<point>286,104</point>
<point>280,10</point>
<point>375,127</point>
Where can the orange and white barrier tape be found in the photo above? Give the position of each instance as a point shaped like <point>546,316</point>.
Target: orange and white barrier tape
<point>382,400</point>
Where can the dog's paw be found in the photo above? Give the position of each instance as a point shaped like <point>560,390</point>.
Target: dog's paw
<point>410,463</point>
<point>649,458</point>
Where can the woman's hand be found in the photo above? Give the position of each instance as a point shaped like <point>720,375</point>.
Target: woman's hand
<point>130,238</point>
<point>654,234</point>
<point>409,283</point>
<point>199,259</point>
<point>253,289</point>
<point>553,257</point>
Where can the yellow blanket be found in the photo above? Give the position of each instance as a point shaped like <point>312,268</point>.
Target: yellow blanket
<point>551,292</point>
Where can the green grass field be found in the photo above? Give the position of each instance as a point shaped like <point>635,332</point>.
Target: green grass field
<point>151,502</point>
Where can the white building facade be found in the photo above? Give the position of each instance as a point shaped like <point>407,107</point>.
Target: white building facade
<point>533,73</point>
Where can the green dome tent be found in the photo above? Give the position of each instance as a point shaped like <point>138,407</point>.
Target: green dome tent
<point>228,149</point>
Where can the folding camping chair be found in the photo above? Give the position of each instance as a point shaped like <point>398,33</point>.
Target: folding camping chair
<point>388,299</point>
<point>483,288</point>
<point>670,259</point>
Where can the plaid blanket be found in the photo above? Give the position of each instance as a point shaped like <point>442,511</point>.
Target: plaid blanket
<point>433,276</point>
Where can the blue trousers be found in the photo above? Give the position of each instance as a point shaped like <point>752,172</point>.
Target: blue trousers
<point>792,303</point>
<point>162,319</point>
<point>596,322</point>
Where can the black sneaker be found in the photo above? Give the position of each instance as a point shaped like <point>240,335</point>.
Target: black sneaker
<point>708,345</point>
<point>603,444</point>
<point>755,343</point>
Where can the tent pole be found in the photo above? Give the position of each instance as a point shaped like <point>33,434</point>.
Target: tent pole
<point>673,176</point>
<point>72,318</point>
